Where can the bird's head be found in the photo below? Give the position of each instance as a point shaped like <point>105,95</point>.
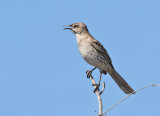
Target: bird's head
<point>76,28</point>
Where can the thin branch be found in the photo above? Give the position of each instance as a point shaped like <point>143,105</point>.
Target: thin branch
<point>129,96</point>
<point>97,93</point>
<point>102,88</point>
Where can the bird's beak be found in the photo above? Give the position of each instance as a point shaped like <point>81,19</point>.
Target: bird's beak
<point>67,27</point>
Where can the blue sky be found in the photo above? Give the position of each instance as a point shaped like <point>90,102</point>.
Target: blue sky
<point>43,74</point>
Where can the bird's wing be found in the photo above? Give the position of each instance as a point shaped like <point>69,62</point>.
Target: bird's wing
<point>99,47</point>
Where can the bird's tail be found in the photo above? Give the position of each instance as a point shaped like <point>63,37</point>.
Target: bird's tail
<point>121,82</point>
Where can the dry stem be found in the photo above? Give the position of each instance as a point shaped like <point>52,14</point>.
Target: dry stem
<point>129,96</point>
<point>98,94</point>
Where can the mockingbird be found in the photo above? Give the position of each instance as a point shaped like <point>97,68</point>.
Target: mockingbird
<point>96,55</point>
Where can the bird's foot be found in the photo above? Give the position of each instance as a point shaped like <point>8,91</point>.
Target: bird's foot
<point>97,87</point>
<point>94,84</point>
<point>88,72</point>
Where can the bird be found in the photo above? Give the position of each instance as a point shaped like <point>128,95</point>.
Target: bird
<point>93,52</point>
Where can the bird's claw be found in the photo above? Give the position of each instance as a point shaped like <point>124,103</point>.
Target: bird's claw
<point>94,84</point>
<point>97,87</point>
<point>88,72</point>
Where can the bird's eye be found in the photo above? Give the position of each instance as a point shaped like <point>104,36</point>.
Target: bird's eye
<point>75,26</point>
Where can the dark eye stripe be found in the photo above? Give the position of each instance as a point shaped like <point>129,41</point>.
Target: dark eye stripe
<point>76,26</point>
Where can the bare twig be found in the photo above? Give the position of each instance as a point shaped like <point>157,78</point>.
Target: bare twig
<point>98,94</point>
<point>130,95</point>
<point>102,88</point>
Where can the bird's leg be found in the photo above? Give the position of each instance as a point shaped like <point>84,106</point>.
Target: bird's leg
<point>89,72</point>
<point>97,87</point>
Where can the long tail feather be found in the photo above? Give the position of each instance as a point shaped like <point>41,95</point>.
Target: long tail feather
<point>124,86</point>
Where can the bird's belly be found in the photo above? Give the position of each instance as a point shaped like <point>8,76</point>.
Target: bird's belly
<point>90,56</point>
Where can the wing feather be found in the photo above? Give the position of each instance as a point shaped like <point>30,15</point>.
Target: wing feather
<point>100,49</point>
